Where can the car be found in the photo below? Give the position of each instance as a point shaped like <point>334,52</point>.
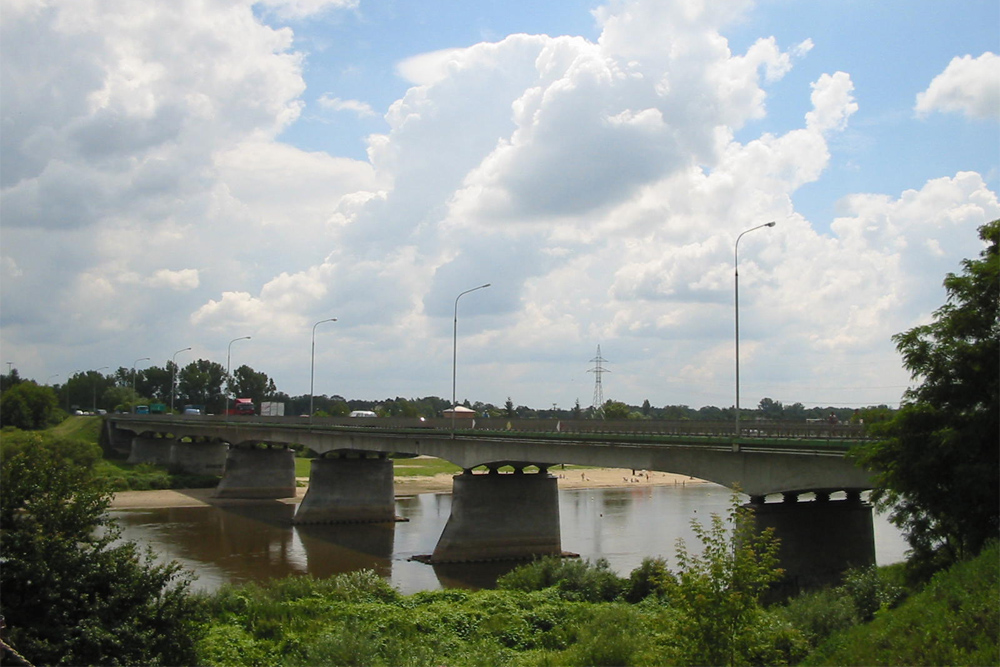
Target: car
<point>192,411</point>
<point>362,413</point>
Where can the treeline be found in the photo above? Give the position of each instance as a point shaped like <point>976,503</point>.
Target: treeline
<point>203,383</point>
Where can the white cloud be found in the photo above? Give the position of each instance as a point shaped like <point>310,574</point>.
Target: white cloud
<point>967,85</point>
<point>361,109</point>
<point>148,200</point>
<point>184,279</point>
<point>833,102</point>
<point>299,9</point>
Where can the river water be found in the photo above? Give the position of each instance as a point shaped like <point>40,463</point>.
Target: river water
<point>258,541</point>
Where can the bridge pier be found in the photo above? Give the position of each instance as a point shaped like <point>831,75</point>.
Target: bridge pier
<point>821,539</point>
<point>154,450</point>
<point>500,517</point>
<point>349,490</point>
<point>252,472</point>
<point>198,458</point>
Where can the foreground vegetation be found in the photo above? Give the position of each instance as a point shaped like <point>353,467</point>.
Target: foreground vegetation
<point>556,612</point>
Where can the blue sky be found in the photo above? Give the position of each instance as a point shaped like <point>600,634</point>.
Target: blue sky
<point>183,174</point>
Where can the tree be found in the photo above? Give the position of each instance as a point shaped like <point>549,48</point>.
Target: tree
<point>72,592</point>
<point>509,408</point>
<point>28,406</point>
<point>248,383</point>
<point>719,590</point>
<point>9,380</point>
<point>616,410</point>
<point>770,408</point>
<point>200,383</point>
<point>937,464</point>
<point>646,407</point>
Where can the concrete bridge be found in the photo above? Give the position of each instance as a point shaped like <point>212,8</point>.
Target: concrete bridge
<point>498,515</point>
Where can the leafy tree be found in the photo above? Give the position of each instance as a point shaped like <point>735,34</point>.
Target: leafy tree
<point>154,382</point>
<point>248,383</point>
<point>9,380</point>
<point>719,590</point>
<point>616,410</point>
<point>577,412</point>
<point>509,408</point>
<point>28,406</point>
<point>770,408</point>
<point>646,407</point>
<point>938,464</point>
<point>72,594</point>
<point>200,383</point>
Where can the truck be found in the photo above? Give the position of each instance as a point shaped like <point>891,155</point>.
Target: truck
<point>272,409</point>
<point>242,406</point>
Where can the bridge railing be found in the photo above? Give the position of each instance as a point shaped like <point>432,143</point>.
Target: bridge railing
<point>714,429</point>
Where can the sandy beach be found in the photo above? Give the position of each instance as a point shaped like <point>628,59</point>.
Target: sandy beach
<point>590,478</point>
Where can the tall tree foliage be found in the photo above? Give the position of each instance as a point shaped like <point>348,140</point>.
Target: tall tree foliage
<point>72,594</point>
<point>938,464</point>
<point>28,406</point>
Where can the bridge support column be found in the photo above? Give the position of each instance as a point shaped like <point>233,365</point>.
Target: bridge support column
<point>820,540</point>
<point>501,517</point>
<point>343,490</point>
<point>151,450</point>
<point>198,458</point>
<point>258,473</point>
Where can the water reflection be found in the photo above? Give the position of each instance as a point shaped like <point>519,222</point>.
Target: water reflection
<point>258,541</point>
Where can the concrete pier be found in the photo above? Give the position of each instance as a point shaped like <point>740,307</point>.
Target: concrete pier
<point>151,450</point>
<point>198,458</point>
<point>253,472</point>
<point>348,490</point>
<point>820,539</point>
<point>500,517</point>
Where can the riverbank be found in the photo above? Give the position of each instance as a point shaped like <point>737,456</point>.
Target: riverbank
<point>588,478</point>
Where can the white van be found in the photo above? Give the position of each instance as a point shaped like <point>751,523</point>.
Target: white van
<point>362,413</point>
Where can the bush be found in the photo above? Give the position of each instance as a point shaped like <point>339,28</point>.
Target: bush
<point>575,579</point>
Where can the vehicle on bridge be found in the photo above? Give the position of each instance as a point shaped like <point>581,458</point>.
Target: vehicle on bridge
<point>243,406</point>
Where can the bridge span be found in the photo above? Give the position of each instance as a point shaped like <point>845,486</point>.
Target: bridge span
<point>515,515</point>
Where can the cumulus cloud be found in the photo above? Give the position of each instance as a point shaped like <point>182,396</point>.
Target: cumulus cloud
<point>968,85</point>
<point>149,199</point>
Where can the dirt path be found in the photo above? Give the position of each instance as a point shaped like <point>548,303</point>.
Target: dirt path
<point>590,478</point>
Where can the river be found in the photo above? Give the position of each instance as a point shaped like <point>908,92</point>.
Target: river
<point>258,541</point>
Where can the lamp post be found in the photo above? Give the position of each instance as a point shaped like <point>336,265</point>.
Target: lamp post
<point>173,374</point>
<point>454,353</point>
<point>229,353</point>
<point>133,381</point>
<point>54,375</point>
<point>94,388</point>
<point>312,363</point>
<point>736,275</point>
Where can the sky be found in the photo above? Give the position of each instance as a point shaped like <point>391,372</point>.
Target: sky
<point>184,174</point>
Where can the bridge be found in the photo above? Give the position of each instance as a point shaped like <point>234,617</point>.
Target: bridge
<point>503,515</point>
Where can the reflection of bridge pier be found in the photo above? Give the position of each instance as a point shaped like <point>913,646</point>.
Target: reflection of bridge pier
<point>500,517</point>
<point>820,539</point>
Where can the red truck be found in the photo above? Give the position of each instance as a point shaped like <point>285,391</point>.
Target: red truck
<point>243,406</point>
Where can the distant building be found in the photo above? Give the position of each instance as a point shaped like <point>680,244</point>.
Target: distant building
<point>460,412</point>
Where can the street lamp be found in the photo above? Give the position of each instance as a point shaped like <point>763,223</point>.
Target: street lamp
<point>133,381</point>
<point>454,352</point>
<point>312,363</point>
<point>94,388</point>
<point>229,353</point>
<point>173,373</point>
<point>736,274</point>
<point>54,375</point>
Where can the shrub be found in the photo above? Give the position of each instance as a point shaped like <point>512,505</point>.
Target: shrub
<point>575,579</point>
